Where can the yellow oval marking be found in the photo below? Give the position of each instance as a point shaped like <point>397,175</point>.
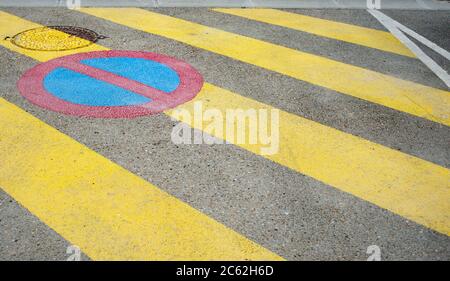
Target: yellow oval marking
<point>50,39</point>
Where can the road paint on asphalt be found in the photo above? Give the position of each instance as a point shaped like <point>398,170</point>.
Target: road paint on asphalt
<point>406,185</point>
<point>399,30</point>
<point>94,203</point>
<point>110,213</point>
<point>363,36</point>
<point>111,84</point>
<point>402,95</point>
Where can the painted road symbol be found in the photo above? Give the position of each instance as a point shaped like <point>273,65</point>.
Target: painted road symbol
<point>111,84</point>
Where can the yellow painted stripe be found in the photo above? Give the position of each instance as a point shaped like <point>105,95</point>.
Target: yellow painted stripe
<point>406,185</point>
<point>101,207</point>
<point>363,36</point>
<point>406,96</point>
<point>109,212</point>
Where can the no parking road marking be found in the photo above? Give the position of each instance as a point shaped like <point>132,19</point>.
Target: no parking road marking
<point>111,84</point>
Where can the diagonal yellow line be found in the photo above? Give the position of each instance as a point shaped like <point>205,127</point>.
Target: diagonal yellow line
<point>410,97</point>
<point>406,185</point>
<point>109,212</point>
<point>363,36</point>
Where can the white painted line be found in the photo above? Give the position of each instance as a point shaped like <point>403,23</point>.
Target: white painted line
<point>399,30</point>
<point>418,37</point>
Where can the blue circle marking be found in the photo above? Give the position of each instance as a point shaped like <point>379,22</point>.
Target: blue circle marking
<point>82,89</point>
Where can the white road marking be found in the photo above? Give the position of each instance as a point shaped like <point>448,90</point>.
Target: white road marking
<point>399,31</point>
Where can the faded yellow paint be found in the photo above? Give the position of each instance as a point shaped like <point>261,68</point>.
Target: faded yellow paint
<point>363,36</point>
<point>402,95</point>
<point>406,185</point>
<point>110,213</point>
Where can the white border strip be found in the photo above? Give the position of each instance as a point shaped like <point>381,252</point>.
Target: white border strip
<point>306,4</point>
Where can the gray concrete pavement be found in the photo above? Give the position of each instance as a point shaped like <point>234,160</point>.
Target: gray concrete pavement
<point>291,214</point>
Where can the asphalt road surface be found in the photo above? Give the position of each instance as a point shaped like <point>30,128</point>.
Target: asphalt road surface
<point>362,155</point>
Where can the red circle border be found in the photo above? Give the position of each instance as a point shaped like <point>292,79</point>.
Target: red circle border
<point>31,87</point>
